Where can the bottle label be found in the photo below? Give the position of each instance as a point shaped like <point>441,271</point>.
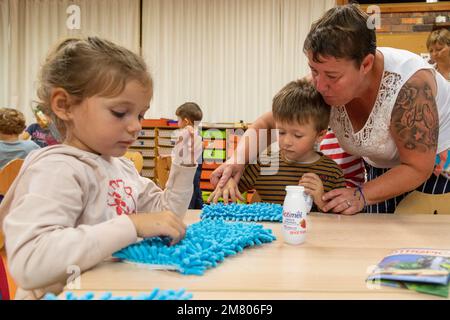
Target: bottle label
<point>294,223</point>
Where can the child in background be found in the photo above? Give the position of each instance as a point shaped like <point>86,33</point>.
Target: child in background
<point>74,204</point>
<point>189,116</point>
<point>40,132</point>
<point>301,117</point>
<point>352,166</point>
<point>12,124</point>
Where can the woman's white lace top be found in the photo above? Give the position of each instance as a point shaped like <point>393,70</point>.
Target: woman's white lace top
<point>374,142</point>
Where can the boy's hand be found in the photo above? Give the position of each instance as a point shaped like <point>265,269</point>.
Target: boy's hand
<point>230,190</point>
<point>227,170</point>
<point>164,223</point>
<point>314,187</point>
<point>188,147</point>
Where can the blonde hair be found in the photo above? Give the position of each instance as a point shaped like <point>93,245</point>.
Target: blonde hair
<point>441,36</point>
<point>12,121</point>
<point>88,67</point>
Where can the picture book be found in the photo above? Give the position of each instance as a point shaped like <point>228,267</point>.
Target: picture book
<point>418,269</point>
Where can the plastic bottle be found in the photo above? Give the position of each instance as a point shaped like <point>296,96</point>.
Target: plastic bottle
<point>297,205</point>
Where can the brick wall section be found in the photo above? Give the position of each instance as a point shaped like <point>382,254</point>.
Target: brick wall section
<point>410,21</point>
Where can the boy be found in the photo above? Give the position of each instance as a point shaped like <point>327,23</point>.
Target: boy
<point>12,124</point>
<point>190,114</point>
<point>301,116</point>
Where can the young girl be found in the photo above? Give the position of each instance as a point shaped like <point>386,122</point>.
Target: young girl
<point>75,204</point>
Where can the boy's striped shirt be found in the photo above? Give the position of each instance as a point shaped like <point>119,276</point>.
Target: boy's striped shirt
<point>270,180</point>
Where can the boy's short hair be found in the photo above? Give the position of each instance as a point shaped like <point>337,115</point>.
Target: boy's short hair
<point>12,121</point>
<point>300,102</point>
<point>190,111</point>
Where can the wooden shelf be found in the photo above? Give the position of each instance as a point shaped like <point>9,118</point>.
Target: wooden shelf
<point>414,41</point>
<point>155,140</point>
<point>410,7</point>
<point>441,26</point>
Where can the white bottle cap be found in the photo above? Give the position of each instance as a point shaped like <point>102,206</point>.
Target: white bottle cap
<point>295,188</point>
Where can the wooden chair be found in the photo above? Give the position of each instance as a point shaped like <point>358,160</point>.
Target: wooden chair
<point>419,202</point>
<point>7,175</point>
<point>137,158</point>
<point>162,170</point>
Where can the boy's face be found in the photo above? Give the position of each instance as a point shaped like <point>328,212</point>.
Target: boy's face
<point>297,140</point>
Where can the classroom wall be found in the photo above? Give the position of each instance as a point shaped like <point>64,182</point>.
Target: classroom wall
<point>230,56</point>
<point>30,28</point>
<point>409,30</point>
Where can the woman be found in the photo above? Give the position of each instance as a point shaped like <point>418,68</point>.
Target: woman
<point>388,106</point>
<point>438,44</point>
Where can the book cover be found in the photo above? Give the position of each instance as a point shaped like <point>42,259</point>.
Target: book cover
<point>421,287</point>
<point>416,265</point>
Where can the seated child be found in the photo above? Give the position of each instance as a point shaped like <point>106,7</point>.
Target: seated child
<point>12,124</point>
<point>189,115</point>
<point>40,132</point>
<point>76,203</point>
<point>301,117</point>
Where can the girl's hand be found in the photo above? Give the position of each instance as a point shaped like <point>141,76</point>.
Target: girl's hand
<point>164,223</point>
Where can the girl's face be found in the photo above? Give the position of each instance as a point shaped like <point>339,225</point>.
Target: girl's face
<point>109,125</point>
<point>336,79</point>
<point>440,53</point>
<point>182,123</point>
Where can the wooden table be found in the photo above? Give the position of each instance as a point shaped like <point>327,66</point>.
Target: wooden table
<point>333,263</point>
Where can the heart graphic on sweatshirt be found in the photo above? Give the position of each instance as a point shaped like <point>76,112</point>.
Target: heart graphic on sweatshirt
<point>121,197</point>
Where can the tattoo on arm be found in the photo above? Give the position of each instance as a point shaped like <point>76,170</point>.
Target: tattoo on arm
<point>415,118</point>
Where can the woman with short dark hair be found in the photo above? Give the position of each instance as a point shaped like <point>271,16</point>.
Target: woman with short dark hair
<point>388,106</point>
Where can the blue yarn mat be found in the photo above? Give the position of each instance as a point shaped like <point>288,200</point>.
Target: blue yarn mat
<point>156,294</point>
<point>243,212</point>
<point>206,243</point>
